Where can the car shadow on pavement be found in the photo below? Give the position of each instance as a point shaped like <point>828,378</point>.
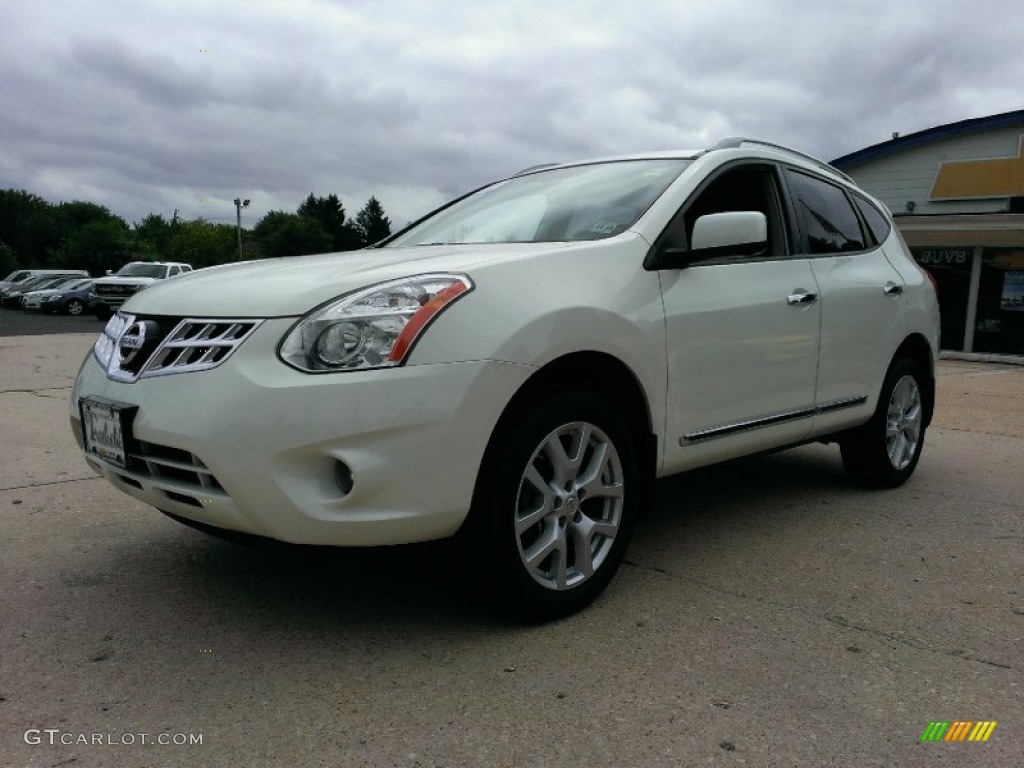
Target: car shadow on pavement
<point>380,589</point>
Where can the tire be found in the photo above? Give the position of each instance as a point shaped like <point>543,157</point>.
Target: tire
<point>553,509</point>
<point>884,452</point>
<point>74,307</point>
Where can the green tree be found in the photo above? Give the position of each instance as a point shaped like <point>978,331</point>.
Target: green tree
<point>288,234</point>
<point>371,222</point>
<point>8,260</point>
<point>202,244</point>
<point>96,245</point>
<point>91,237</point>
<point>153,235</point>
<point>28,226</point>
<point>330,213</point>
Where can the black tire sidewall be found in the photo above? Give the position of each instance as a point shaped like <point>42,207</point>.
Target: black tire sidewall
<point>491,526</point>
<point>864,451</point>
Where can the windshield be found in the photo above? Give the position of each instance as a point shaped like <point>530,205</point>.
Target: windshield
<point>74,285</point>
<point>48,282</point>
<point>586,202</point>
<point>138,269</point>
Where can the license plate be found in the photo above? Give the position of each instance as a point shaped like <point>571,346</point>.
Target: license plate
<point>106,428</point>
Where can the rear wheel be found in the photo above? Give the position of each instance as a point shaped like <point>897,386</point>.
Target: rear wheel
<point>554,507</point>
<point>884,452</point>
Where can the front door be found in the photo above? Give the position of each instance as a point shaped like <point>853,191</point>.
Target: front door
<point>742,335</point>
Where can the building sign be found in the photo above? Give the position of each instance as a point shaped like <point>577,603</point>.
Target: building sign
<point>965,179</point>
<point>939,256</point>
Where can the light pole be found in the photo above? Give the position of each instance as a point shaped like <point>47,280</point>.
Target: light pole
<point>239,205</point>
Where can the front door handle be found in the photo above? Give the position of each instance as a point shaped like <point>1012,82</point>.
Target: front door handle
<point>892,289</point>
<point>801,297</point>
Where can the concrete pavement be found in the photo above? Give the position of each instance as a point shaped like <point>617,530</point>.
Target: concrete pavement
<point>769,614</point>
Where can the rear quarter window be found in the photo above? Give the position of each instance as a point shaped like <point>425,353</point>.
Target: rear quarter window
<point>877,222</point>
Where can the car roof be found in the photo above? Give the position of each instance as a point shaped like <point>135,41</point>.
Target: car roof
<point>737,146</point>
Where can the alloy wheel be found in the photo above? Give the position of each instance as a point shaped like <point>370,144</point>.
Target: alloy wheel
<point>569,505</point>
<point>903,422</point>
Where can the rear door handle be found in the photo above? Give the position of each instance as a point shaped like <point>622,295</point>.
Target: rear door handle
<point>801,297</point>
<point>892,289</point>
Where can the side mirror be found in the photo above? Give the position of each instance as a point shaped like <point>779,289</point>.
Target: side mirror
<point>109,272</point>
<point>730,233</point>
<point>716,236</point>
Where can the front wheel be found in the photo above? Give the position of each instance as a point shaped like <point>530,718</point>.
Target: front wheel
<point>554,507</point>
<point>74,307</point>
<point>884,452</point>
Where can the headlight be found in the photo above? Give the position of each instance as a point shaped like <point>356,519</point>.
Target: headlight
<point>372,328</point>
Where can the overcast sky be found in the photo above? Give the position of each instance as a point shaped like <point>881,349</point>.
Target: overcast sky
<point>158,105</point>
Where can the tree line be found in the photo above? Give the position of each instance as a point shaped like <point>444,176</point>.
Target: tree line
<point>83,235</point>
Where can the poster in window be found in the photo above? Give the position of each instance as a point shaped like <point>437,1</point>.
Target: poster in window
<point>1013,292</point>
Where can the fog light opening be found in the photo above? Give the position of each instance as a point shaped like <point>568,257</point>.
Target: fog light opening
<point>343,477</point>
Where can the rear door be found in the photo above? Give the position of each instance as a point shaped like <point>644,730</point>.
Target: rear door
<point>862,312</point>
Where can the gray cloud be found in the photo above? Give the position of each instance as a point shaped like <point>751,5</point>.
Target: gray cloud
<point>163,106</point>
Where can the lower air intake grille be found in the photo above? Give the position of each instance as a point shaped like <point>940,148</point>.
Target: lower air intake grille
<point>160,461</point>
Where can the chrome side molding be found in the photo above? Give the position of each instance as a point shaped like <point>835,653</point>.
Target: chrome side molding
<point>771,420</point>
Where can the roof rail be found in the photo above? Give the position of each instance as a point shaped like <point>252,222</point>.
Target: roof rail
<point>734,142</point>
<point>533,168</point>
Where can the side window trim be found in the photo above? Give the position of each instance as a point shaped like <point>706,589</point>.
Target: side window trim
<point>784,213</point>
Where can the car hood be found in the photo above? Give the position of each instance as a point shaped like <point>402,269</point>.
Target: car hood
<point>119,280</point>
<point>294,285</point>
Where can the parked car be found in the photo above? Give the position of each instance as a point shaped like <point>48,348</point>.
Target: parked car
<point>21,275</point>
<point>72,298</point>
<point>112,291</point>
<point>13,296</point>
<point>516,368</point>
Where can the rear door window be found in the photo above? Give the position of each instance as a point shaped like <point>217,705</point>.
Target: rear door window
<point>829,223</point>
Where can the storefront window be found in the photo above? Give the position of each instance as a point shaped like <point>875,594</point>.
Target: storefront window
<point>951,268</point>
<point>1000,322</point>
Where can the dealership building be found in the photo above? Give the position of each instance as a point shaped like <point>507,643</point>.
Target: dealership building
<point>957,195</point>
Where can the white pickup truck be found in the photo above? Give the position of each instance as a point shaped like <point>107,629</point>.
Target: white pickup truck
<point>110,292</point>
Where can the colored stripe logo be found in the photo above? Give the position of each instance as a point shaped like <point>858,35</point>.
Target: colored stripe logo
<point>958,730</point>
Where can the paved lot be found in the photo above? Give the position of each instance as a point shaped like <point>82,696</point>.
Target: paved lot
<point>18,322</point>
<point>769,615</point>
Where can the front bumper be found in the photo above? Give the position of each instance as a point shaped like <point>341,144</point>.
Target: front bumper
<point>253,445</point>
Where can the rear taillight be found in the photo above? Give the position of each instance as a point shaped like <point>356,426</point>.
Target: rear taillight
<point>931,279</point>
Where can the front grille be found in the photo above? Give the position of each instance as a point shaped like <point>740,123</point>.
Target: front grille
<point>115,290</point>
<point>136,346</point>
<point>196,345</point>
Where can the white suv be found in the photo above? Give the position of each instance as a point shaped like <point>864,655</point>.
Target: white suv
<point>516,368</point>
<point>110,292</point>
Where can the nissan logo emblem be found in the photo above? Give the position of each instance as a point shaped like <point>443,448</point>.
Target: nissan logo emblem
<point>132,341</point>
